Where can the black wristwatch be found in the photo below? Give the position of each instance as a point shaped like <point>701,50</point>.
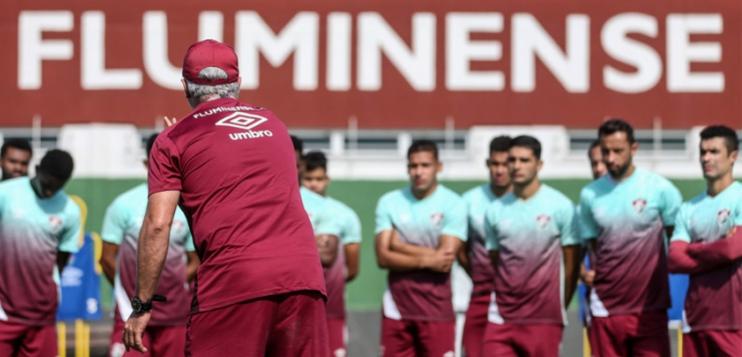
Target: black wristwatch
<point>139,307</point>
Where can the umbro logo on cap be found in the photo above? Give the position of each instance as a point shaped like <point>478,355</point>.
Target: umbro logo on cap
<point>243,121</point>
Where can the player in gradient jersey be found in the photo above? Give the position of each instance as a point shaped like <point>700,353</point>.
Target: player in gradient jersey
<point>39,229</point>
<point>345,267</point>
<point>166,333</point>
<point>326,226</point>
<point>598,169</point>
<point>624,217</point>
<point>419,230</point>
<point>534,248</point>
<point>707,244</point>
<point>474,258</point>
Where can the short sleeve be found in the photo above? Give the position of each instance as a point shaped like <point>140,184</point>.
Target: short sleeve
<point>455,221</point>
<point>164,171</point>
<point>587,227</point>
<point>328,223</point>
<point>383,215</point>
<point>568,225</point>
<point>352,229</point>
<point>490,234</point>
<point>114,223</point>
<point>671,201</point>
<point>70,240</point>
<point>189,245</point>
<point>680,233</point>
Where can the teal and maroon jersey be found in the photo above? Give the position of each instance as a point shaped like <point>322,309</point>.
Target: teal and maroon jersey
<point>121,226</point>
<point>628,219</point>
<point>32,231</point>
<point>714,298</point>
<point>482,274</point>
<point>350,233</point>
<point>529,235</point>
<point>421,294</point>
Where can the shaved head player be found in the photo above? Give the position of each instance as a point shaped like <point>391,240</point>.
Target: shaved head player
<point>39,228</point>
<point>231,168</point>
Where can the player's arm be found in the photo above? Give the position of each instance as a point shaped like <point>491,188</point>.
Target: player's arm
<point>352,260</point>
<point>720,252</point>
<point>406,248</point>
<point>327,245</point>
<point>192,263</point>
<point>571,255</point>
<point>108,260</point>
<point>154,241</point>
<point>389,259</point>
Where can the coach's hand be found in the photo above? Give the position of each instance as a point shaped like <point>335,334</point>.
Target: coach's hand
<point>133,331</point>
<point>170,121</point>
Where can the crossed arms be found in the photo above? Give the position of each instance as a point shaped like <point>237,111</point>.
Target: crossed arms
<point>393,254</point>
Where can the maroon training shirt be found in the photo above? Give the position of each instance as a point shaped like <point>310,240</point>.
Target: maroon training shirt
<point>235,167</point>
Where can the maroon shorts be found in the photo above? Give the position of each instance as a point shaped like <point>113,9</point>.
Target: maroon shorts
<point>338,336</point>
<point>515,340</point>
<point>402,338</point>
<point>166,341</point>
<point>26,341</point>
<point>292,324</point>
<point>475,324</point>
<point>712,343</point>
<point>630,335</point>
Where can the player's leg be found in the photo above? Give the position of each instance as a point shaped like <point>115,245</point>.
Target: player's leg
<point>498,341</point>
<point>609,336</point>
<point>337,335</point>
<point>546,343</point>
<point>236,330</point>
<point>300,326</point>
<point>167,341</point>
<point>696,344</point>
<point>39,341</point>
<point>436,338</point>
<point>725,343</point>
<point>397,338</point>
<point>651,337</point>
<point>475,325</point>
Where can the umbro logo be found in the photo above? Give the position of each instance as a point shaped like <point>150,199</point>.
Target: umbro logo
<point>241,120</point>
<point>245,122</point>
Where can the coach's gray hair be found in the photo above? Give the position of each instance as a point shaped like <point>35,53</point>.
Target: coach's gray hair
<point>199,93</point>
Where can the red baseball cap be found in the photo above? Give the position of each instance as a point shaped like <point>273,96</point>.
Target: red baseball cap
<point>210,53</point>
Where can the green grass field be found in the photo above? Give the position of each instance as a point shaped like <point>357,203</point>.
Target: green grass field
<point>365,292</point>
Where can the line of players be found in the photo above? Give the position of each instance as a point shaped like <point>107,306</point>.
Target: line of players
<point>522,243</point>
<point>520,240</point>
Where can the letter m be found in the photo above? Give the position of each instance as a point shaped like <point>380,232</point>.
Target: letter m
<point>299,37</point>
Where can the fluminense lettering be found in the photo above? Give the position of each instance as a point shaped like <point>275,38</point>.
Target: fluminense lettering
<point>361,48</point>
<point>216,110</point>
<point>251,134</point>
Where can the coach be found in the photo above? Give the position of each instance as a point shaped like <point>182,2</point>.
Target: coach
<point>231,167</point>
